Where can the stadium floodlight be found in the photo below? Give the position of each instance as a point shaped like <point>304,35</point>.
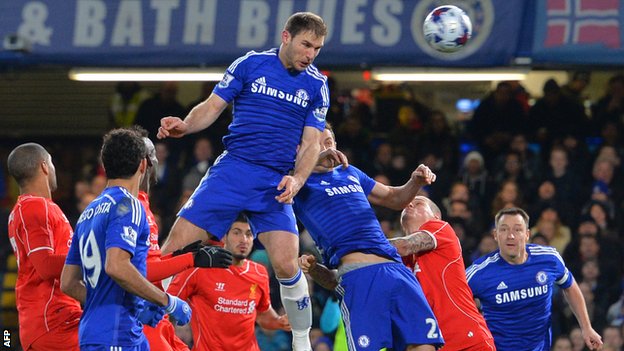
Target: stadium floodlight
<point>146,75</point>
<point>405,74</point>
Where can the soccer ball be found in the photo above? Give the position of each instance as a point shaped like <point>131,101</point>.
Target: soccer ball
<point>447,28</point>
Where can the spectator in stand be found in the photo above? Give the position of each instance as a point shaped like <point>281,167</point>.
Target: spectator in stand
<point>612,336</point>
<point>354,139</point>
<point>475,175</point>
<point>497,118</point>
<point>203,159</point>
<point>555,116</point>
<point>508,195</point>
<point>610,107</point>
<point>549,225</point>
<point>573,89</point>
<point>440,139</point>
<point>125,103</point>
<point>567,184</point>
<point>562,343</point>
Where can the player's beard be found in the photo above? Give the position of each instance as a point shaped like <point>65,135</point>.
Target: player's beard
<point>240,257</point>
<point>52,182</point>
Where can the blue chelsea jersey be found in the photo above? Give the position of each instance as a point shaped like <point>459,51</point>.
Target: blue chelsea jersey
<point>113,219</point>
<point>334,208</point>
<point>516,299</point>
<point>272,105</point>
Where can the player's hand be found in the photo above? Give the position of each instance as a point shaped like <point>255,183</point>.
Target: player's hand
<point>290,186</point>
<point>193,247</point>
<point>592,339</point>
<point>172,127</point>
<point>330,158</point>
<point>282,323</point>
<point>423,175</point>
<point>178,309</point>
<point>151,314</point>
<point>306,262</point>
<point>213,257</point>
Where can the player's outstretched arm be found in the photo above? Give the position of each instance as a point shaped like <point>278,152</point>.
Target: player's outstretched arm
<point>270,320</point>
<point>71,282</point>
<point>319,273</point>
<point>201,117</point>
<point>414,243</point>
<point>307,157</point>
<point>575,299</point>
<point>397,197</point>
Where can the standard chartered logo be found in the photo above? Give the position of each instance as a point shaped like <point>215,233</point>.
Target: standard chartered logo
<point>235,306</point>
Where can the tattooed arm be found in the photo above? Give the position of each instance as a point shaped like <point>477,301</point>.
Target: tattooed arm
<point>414,243</point>
<point>322,275</point>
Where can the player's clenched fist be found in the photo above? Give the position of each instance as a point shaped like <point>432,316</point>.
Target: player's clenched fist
<point>307,262</point>
<point>172,127</point>
<point>178,309</point>
<point>423,175</point>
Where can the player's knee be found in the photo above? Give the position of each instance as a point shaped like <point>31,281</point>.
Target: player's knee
<point>285,268</point>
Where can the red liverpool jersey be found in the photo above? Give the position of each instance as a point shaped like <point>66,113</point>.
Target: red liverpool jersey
<point>37,223</point>
<point>442,275</point>
<point>225,303</point>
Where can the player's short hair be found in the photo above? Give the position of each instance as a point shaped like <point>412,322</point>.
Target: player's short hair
<point>122,152</point>
<point>305,21</point>
<point>434,208</point>
<point>242,218</point>
<point>150,149</point>
<point>512,211</point>
<point>24,161</point>
<point>329,127</point>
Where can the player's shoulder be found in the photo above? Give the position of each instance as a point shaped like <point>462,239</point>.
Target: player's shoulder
<point>435,225</point>
<point>543,253</point>
<point>252,58</point>
<point>313,72</point>
<point>122,201</point>
<point>483,264</point>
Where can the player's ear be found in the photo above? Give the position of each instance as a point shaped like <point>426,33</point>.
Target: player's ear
<point>286,37</point>
<point>494,234</point>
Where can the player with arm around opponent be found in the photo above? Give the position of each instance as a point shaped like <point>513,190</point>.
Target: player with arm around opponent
<point>372,283</point>
<point>432,250</point>
<point>514,285</point>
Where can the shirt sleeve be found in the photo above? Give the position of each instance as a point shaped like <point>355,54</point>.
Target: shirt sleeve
<point>234,79</point>
<point>125,225</point>
<point>366,182</point>
<point>563,277</point>
<point>73,256</point>
<point>37,225</point>
<point>318,109</point>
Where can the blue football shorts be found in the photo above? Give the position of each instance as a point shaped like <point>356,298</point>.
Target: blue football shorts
<point>232,186</point>
<point>383,305</point>
<point>144,346</point>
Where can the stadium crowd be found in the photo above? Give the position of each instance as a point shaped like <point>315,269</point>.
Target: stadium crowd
<point>554,156</point>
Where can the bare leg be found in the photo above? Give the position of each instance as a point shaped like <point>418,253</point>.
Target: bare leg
<point>283,250</point>
<point>182,233</point>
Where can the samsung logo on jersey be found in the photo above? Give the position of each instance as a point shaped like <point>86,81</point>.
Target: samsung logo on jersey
<point>521,294</point>
<point>345,189</point>
<point>298,99</point>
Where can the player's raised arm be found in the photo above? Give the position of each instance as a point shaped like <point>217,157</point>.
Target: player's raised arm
<point>414,243</point>
<point>201,117</point>
<point>397,197</point>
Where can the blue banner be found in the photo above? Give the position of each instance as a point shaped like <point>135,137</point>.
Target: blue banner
<point>579,32</point>
<point>214,32</point>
